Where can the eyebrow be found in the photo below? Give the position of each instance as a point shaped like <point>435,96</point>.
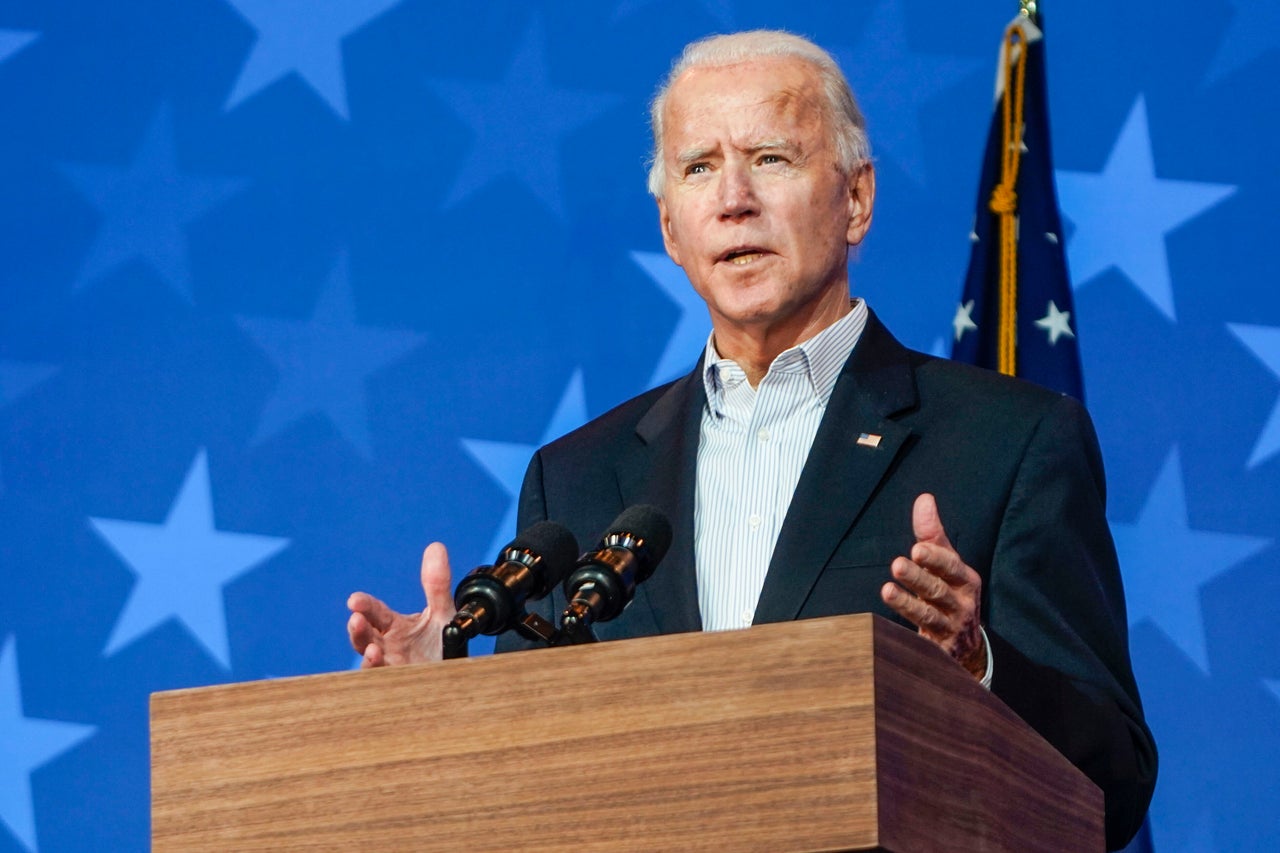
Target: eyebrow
<point>778,143</point>
<point>693,155</point>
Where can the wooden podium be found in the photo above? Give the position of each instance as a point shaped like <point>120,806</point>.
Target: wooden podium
<point>847,733</point>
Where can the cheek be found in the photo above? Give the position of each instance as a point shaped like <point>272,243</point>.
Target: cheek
<point>677,224</point>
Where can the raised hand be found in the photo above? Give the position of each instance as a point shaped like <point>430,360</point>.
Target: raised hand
<point>937,592</point>
<point>384,637</point>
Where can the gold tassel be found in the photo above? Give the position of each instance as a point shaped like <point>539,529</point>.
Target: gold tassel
<point>1004,199</point>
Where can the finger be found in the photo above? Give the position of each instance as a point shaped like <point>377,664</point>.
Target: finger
<point>361,632</point>
<point>942,562</point>
<point>380,616</point>
<point>926,523</point>
<point>437,578</point>
<point>373,657</point>
<point>915,610</point>
<point>920,581</point>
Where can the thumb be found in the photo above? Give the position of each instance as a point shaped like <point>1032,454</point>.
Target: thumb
<point>926,523</point>
<point>437,578</point>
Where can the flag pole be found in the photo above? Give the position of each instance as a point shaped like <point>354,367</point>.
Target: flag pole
<point>1028,8</point>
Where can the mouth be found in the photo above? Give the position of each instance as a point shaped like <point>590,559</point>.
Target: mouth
<point>743,255</point>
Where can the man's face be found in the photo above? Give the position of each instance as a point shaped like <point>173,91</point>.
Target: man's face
<point>755,208</point>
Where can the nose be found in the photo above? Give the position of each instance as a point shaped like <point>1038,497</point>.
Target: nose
<point>737,192</point>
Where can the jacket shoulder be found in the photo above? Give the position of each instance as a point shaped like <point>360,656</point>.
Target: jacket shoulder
<point>957,386</point>
<point>617,424</point>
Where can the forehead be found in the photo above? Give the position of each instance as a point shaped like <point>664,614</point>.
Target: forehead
<point>755,96</point>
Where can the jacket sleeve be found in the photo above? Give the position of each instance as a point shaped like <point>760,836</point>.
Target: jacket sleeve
<point>1056,618</point>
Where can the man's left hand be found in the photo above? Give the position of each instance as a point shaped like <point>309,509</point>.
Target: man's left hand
<point>937,592</point>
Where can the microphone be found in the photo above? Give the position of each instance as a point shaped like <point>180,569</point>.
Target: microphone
<point>490,599</point>
<point>604,581</point>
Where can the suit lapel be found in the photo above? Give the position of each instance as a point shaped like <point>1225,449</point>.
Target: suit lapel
<point>840,474</point>
<point>661,470</point>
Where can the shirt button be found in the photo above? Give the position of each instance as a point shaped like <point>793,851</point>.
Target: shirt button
<point>754,521</point>
<point>747,616</point>
<point>763,435</point>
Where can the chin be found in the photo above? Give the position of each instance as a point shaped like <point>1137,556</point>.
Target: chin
<point>746,301</point>
<point>756,315</point>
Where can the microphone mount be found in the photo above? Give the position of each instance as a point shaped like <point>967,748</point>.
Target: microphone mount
<point>468,621</point>
<point>491,599</point>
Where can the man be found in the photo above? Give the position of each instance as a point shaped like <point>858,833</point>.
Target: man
<point>808,463</point>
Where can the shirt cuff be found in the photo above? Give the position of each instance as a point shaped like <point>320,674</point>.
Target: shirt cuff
<point>985,681</point>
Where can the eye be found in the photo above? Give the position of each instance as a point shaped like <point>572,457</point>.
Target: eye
<point>770,159</point>
<point>697,169</point>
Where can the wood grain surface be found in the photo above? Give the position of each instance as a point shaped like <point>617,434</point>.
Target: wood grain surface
<point>769,738</point>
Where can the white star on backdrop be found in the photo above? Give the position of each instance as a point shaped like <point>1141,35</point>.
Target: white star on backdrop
<point>689,337</point>
<point>1264,343</point>
<point>19,377</point>
<point>1165,562</point>
<point>26,744</point>
<point>1123,213</point>
<point>303,37</point>
<point>963,320</point>
<point>12,41</point>
<point>506,461</point>
<point>1254,30</point>
<point>324,362</point>
<point>146,207</point>
<point>182,565</point>
<point>1056,323</point>
<point>893,83</point>
<point>519,123</point>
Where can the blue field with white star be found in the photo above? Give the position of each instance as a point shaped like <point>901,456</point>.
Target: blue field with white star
<point>290,288</point>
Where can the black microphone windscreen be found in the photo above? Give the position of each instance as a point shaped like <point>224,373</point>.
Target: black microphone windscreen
<point>648,523</point>
<point>554,543</point>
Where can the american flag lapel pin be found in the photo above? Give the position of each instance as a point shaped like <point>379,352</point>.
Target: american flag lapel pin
<point>868,439</point>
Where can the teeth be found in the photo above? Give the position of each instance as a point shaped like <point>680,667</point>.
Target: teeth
<point>743,260</point>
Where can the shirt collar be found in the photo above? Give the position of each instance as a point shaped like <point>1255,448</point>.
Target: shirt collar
<point>820,358</point>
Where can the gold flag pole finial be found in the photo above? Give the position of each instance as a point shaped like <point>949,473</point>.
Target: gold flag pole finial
<point>1028,8</point>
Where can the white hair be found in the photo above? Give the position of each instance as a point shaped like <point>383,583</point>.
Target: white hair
<point>841,108</point>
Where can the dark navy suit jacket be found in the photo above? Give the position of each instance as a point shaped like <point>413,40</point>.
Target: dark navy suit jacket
<point>1017,474</point>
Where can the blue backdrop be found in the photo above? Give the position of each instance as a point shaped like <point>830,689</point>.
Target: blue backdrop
<point>289,288</point>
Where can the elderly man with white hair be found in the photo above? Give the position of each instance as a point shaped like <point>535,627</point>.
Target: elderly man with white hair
<point>811,465</point>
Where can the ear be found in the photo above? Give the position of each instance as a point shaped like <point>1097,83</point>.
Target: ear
<point>862,197</point>
<point>668,235</point>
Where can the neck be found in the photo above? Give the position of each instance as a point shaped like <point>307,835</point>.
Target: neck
<point>754,348</point>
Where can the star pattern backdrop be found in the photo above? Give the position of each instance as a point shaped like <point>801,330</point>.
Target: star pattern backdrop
<point>290,288</point>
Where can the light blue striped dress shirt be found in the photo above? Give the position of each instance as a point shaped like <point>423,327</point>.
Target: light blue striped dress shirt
<point>753,446</point>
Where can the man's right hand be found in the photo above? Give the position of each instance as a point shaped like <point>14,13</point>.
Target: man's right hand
<point>383,637</point>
